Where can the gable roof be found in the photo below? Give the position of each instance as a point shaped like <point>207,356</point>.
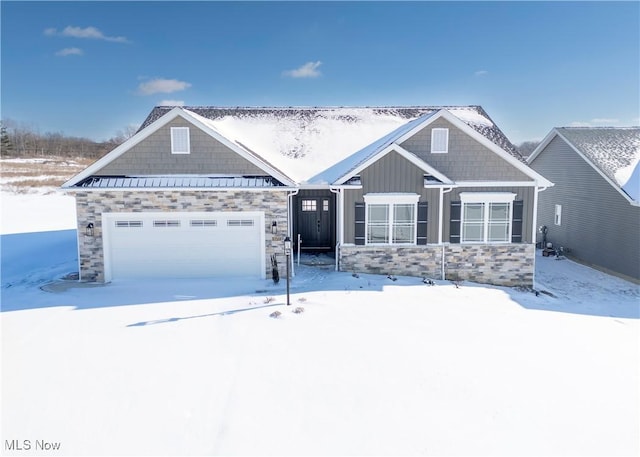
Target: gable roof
<point>614,152</point>
<point>353,164</point>
<point>347,168</point>
<point>304,141</point>
<point>145,132</point>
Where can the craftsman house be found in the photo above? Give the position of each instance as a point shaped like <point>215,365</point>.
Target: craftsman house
<point>207,191</point>
<point>593,211</point>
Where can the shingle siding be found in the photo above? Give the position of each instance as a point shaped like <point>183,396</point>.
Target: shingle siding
<point>153,156</point>
<point>467,159</point>
<point>599,226</point>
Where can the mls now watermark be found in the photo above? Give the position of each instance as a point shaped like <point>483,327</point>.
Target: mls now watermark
<point>28,445</point>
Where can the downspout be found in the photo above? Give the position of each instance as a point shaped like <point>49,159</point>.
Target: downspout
<point>289,226</point>
<point>339,223</point>
<point>440,223</point>
<point>534,229</point>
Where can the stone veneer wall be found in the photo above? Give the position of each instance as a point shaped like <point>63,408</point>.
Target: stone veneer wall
<point>505,265</point>
<point>423,261</point>
<point>91,205</point>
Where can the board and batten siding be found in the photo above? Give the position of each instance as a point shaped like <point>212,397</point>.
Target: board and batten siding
<point>152,156</point>
<point>392,173</point>
<point>467,159</point>
<point>599,226</point>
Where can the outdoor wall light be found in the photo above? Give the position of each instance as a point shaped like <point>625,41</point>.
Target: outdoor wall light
<point>89,229</point>
<point>274,227</point>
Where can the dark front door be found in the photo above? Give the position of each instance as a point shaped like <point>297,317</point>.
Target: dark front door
<point>314,216</point>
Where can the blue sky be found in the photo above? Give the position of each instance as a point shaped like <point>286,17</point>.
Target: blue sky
<point>93,68</point>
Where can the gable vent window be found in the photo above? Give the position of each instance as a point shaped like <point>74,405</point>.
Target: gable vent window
<point>240,223</point>
<point>133,224</point>
<point>180,143</point>
<point>204,223</point>
<point>439,141</point>
<point>166,223</point>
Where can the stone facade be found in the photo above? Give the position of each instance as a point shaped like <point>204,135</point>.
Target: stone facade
<point>91,205</point>
<point>421,261</point>
<point>505,265</point>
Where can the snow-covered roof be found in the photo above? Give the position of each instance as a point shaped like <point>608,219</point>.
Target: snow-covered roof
<point>614,150</point>
<point>304,141</point>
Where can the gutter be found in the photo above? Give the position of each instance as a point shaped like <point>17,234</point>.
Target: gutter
<point>340,220</point>
<point>289,225</point>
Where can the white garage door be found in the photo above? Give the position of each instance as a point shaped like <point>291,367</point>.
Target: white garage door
<point>183,245</point>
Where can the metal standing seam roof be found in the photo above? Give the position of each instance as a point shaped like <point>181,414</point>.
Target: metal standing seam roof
<point>153,182</point>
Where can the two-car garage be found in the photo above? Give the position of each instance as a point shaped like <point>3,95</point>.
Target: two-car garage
<point>183,244</point>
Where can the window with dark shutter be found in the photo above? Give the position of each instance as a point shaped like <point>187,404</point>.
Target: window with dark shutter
<point>516,221</point>
<point>360,224</point>
<point>423,212</point>
<point>454,222</point>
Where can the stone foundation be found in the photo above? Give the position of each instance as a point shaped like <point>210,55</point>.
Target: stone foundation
<point>505,265</point>
<point>91,205</point>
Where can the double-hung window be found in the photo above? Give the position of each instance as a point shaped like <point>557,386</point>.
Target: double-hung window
<point>486,217</point>
<point>391,218</point>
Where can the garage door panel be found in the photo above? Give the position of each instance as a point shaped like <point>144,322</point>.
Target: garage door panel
<point>186,245</point>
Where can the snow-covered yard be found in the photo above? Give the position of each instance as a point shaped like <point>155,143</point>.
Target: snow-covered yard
<point>372,366</point>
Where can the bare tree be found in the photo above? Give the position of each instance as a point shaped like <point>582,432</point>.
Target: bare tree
<point>27,141</point>
<point>526,147</point>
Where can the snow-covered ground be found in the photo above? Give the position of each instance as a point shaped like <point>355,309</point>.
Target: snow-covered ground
<point>372,366</point>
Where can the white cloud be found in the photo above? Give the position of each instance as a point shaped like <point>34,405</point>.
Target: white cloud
<point>164,86</point>
<point>604,120</point>
<point>481,73</point>
<point>171,103</point>
<point>87,32</point>
<point>308,70</point>
<point>69,52</point>
<point>596,122</point>
<point>579,124</point>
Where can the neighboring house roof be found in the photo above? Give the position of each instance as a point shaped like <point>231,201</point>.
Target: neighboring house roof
<point>304,141</point>
<point>613,151</point>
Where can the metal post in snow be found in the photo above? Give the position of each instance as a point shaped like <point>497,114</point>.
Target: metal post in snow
<point>287,253</point>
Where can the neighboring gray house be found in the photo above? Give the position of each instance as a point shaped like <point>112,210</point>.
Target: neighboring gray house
<point>593,211</point>
<point>207,191</point>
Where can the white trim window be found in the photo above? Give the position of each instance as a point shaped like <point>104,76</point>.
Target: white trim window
<point>486,217</point>
<point>439,141</point>
<point>557,220</point>
<point>391,218</point>
<point>180,142</point>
